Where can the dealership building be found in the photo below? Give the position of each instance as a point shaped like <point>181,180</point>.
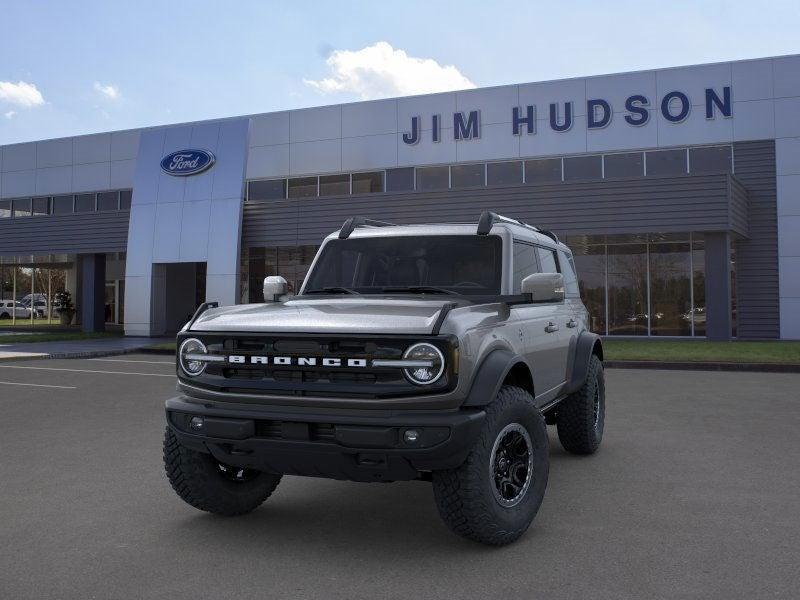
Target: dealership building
<point>677,189</point>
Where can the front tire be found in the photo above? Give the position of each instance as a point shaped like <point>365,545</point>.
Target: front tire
<point>208,485</point>
<point>580,418</point>
<point>495,494</point>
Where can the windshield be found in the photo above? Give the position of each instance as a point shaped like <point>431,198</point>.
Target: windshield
<point>460,264</point>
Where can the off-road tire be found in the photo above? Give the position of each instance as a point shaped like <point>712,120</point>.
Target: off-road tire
<point>580,429</point>
<point>196,478</point>
<point>465,495</point>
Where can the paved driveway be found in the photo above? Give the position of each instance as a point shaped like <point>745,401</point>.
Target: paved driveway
<point>695,493</point>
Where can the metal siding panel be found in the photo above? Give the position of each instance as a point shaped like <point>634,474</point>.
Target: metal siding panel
<point>71,234</point>
<point>757,257</point>
<point>700,203</point>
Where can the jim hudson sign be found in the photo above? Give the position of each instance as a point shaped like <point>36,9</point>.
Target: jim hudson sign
<point>674,107</point>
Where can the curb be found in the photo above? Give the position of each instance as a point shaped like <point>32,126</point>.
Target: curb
<point>88,354</point>
<point>702,366</point>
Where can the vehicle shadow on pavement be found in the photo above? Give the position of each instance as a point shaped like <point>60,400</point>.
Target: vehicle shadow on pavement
<point>308,514</point>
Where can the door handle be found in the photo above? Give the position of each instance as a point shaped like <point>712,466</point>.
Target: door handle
<point>551,327</point>
<point>572,323</point>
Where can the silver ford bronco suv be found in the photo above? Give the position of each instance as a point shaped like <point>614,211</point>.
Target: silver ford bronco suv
<point>427,352</point>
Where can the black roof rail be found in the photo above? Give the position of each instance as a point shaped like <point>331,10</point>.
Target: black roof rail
<point>550,234</point>
<point>353,222</point>
<point>489,218</point>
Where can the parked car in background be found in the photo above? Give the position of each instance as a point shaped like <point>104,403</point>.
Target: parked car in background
<point>39,305</point>
<point>14,308</point>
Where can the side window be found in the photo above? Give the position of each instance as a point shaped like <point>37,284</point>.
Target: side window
<point>524,263</point>
<point>570,277</point>
<point>547,258</point>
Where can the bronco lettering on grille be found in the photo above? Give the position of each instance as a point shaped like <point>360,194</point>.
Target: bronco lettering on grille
<point>301,361</point>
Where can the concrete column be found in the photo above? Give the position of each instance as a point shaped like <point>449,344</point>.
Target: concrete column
<point>718,286</point>
<point>93,288</point>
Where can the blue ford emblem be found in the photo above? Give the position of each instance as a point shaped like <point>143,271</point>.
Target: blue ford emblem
<point>187,162</point>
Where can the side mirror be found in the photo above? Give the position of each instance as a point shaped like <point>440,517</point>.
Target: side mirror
<point>275,286</point>
<point>544,287</point>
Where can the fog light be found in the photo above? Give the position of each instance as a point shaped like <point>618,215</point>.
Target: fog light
<point>410,436</point>
<point>196,423</point>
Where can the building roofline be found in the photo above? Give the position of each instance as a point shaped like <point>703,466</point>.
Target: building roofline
<point>396,98</point>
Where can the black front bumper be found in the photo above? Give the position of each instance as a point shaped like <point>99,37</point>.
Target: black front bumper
<point>344,445</point>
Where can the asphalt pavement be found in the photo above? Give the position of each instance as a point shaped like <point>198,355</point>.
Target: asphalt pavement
<point>695,493</point>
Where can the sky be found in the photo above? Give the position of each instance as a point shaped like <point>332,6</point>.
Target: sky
<point>85,66</point>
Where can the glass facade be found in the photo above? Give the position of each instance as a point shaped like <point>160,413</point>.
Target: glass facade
<point>290,262</point>
<point>38,291</point>
<point>643,285</point>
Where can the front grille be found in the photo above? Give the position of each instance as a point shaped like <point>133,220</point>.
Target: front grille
<point>315,380</point>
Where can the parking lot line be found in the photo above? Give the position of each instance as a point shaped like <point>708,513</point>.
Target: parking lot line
<point>125,360</point>
<point>42,385</point>
<point>86,371</point>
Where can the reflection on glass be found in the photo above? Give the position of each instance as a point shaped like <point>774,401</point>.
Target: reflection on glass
<point>590,262</point>
<point>670,294</point>
<point>699,286</point>
<point>627,289</point>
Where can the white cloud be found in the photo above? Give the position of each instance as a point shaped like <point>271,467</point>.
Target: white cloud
<point>109,91</point>
<point>380,71</point>
<point>10,114</point>
<point>20,93</point>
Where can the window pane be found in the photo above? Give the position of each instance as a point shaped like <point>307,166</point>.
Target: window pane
<point>627,289</point>
<point>433,178</point>
<point>468,175</point>
<point>303,187</point>
<point>547,260</point>
<point>568,269</point>
<point>334,185</point>
<point>543,171</point>
<point>108,201</point>
<point>256,271</point>
<point>504,173</point>
<point>367,183</point>
<point>670,296</point>
<point>5,209</point>
<point>400,180</point>
<point>22,207</point>
<point>577,168</point>
<point>62,205</point>
<point>84,202</point>
<point>623,165</point>
<point>272,189</point>
<point>125,199</point>
<point>699,285</point>
<point>590,262</point>
<point>524,263</point>
<point>41,206</point>
<point>666,162</point>
<point>715,159</point>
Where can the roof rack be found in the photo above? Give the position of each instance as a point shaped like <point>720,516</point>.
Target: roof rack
<point>550,234</point>
<point>353,222</point>
<point>489,218</point>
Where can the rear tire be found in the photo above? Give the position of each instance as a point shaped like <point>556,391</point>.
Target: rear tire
<point>206,484</point>
<point>495,494</point>
<point>580,418</point>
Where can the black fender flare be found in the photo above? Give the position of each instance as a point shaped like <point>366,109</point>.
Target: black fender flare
<point>490,375</point>
<point>584,348</point>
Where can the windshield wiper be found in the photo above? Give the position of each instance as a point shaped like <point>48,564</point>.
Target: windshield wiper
<point>332,290</point>
<point>419,289</point>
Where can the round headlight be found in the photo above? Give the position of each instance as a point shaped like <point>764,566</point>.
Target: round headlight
<point>425,353</point>
<point>188,348</point>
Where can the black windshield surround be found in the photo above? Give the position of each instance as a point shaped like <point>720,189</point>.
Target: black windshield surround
<point>468,265</point>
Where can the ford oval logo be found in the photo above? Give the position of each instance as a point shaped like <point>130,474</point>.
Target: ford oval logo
<point>187,162</point>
